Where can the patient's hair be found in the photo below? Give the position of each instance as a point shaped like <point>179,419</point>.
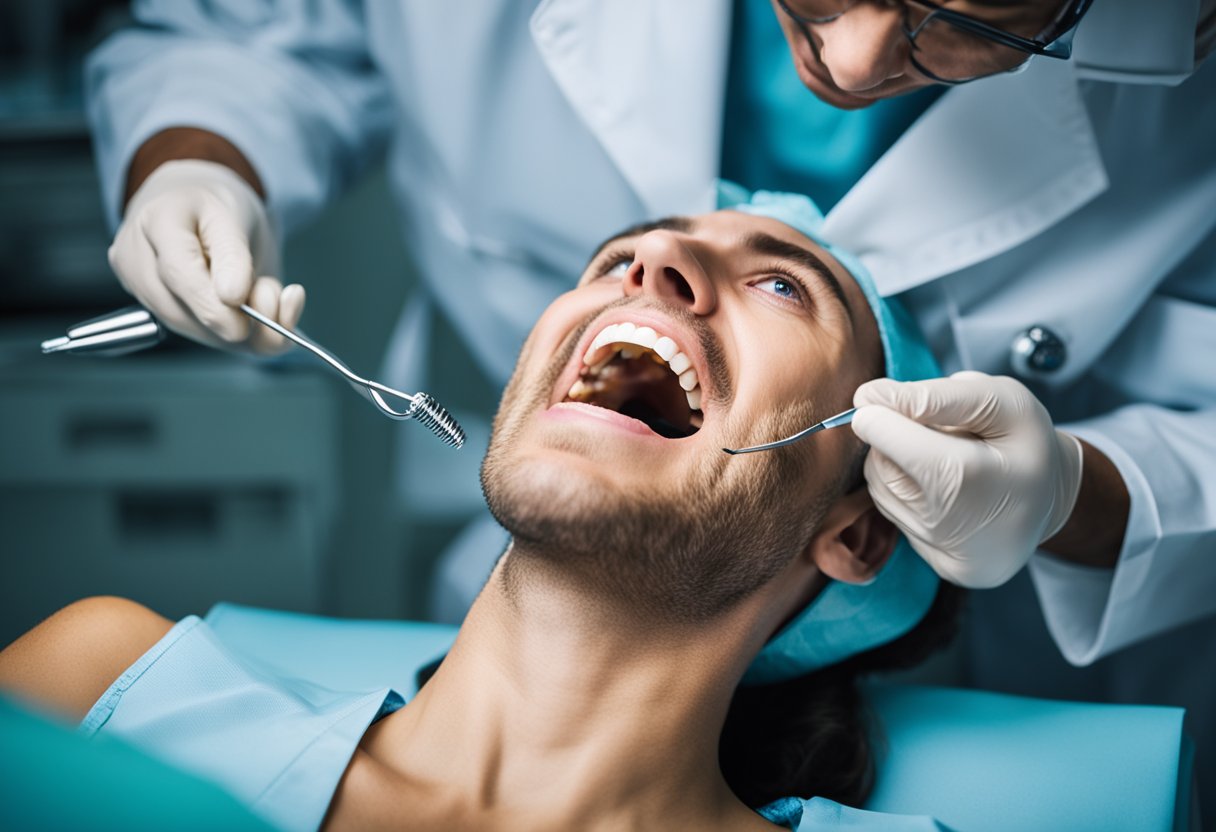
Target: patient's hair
<point>813,736</point>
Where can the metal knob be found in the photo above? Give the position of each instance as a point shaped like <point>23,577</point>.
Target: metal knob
<point>1037,352</point>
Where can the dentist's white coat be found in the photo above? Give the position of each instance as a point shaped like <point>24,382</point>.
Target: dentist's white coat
<point>1079,195</point>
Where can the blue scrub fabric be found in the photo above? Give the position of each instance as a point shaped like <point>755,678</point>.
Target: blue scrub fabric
<point>280,744</point>
<point>778,136</point>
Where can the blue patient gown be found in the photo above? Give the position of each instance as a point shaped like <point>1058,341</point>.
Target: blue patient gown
<point>280,745</point>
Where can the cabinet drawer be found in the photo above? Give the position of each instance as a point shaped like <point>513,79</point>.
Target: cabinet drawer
<point>168,426</point>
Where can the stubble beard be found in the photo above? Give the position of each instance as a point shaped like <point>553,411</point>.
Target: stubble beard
<point>680,553</point>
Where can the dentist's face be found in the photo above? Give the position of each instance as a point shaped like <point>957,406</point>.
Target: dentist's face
<point>863,55</point>
<point>683,337</point>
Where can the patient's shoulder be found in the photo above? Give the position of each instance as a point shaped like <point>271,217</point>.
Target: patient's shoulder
<point>66,662</point>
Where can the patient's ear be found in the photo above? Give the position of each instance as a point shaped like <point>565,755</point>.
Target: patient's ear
<point>854,540</point>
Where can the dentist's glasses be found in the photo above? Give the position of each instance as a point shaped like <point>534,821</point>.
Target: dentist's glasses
<point>950,46</point>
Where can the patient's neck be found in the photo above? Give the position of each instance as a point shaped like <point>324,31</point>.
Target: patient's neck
<point>554,710</point>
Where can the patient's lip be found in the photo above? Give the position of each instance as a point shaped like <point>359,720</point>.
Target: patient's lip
<point>578,411</point>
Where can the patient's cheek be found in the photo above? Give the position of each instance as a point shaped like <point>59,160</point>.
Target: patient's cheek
<point>566,314</point>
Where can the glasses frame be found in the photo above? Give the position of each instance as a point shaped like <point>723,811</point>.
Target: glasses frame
<point>1058,45</point>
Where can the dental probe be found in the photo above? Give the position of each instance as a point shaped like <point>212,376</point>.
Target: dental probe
<point>134,328</point>
<point>831,422</point>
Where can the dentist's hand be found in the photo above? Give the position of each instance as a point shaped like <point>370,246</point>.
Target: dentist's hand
<point>970,468</point>
<point>194,244</point>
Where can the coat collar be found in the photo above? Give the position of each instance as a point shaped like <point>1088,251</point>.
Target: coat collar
<point>990,165</point>
<point>647,77</point>
<point>1137,42</point>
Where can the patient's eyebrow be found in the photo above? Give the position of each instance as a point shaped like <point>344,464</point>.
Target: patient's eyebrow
<point>767,244</point>
<point>682,224</point>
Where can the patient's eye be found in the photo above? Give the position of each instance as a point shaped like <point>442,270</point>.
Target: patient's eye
<point>783,287</point>
<point>613,264</point>
<point>618,268</point>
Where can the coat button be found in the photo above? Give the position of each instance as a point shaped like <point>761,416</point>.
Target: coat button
<point>1037,351</point>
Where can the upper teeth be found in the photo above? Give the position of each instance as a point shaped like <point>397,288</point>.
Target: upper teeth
<point>646,338</point>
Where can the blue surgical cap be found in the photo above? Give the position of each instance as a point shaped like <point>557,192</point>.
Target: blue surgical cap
<point>847,619</point>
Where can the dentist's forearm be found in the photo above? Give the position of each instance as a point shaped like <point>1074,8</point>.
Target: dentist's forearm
<point>1093,534</point>
<point>187,143</point>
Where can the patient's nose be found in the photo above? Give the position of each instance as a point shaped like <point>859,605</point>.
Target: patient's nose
<point>664,267</point>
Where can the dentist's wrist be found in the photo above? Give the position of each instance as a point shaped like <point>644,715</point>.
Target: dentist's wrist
<point>1069,460</point>
<point>177,143</point>
<point>1093,533</point>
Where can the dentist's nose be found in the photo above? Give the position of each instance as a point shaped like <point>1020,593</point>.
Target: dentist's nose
<point>863,47</point>
<point>665,268</point>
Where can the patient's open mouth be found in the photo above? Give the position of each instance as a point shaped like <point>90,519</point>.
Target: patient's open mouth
<point>635,371</point>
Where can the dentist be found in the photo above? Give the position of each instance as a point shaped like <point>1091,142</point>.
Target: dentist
<point>1035,180</point>
<point>1051,225</point>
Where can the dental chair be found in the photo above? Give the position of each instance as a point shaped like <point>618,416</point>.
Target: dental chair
<point>976,761</point>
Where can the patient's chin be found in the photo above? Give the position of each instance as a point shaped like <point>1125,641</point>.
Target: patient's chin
<point>550,497</point>
<point>655,555</point>
<point>540,482</point>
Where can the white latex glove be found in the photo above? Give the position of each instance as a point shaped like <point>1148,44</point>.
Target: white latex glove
<point>192,241</point>
<point>970,468</point>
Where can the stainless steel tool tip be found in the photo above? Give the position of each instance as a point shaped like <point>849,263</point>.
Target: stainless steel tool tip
<point>55,344</point>
<point>827,424</point>
<point>436,417</point>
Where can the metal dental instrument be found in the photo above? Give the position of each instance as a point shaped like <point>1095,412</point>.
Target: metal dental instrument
<point>831,422</point>
<point>134,328</point>
<point>117,333</point>
<point>422,407</point>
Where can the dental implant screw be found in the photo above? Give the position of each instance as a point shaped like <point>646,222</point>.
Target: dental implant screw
<point>436,417</point>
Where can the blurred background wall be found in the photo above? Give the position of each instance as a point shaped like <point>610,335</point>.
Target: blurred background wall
<point>183,476</point>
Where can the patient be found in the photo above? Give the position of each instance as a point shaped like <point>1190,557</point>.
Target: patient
<point>595,684</point>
